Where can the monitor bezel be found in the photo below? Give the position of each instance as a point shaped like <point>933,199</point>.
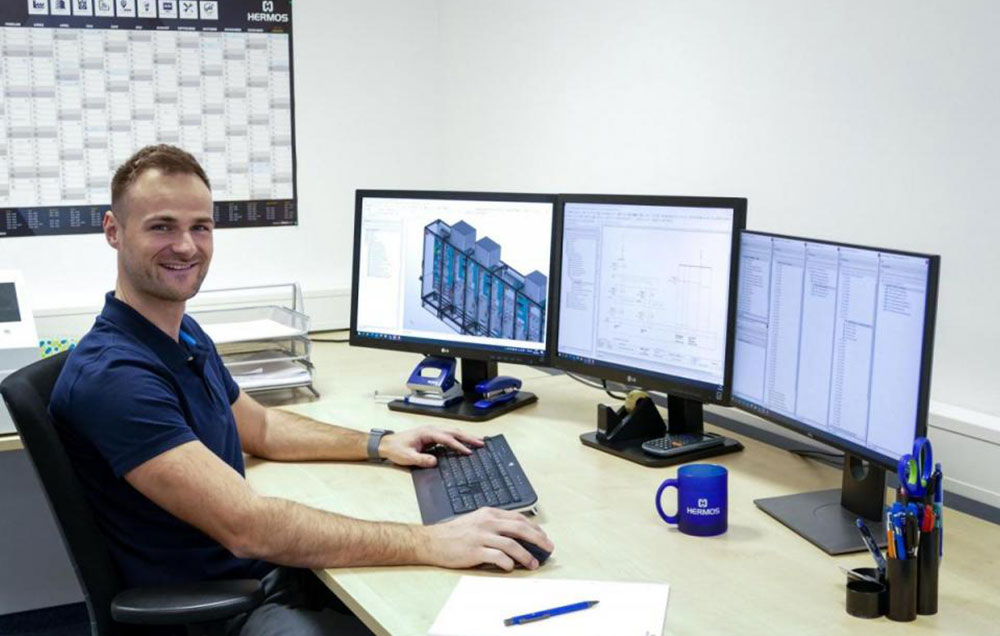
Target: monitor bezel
<point>444,347</point>
<point>672,385</point>
<point>926,360</point>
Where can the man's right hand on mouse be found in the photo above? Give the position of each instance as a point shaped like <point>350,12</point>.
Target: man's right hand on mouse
<point>484,536</point>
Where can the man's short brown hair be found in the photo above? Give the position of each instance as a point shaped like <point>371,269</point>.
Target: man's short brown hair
<point>168,159</point>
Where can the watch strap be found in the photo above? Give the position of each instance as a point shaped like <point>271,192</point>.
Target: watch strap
<point>374,438</point>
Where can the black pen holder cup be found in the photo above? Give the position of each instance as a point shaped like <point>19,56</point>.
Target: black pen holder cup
<point>902,575</point>
<point>928,561</point>
<point>864,598</point>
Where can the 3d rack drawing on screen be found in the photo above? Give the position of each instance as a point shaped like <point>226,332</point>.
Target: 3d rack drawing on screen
<point>466,286</point>
<point>429,278</point>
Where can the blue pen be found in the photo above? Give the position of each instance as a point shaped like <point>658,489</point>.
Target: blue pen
<point>549,613</point>
<point>897,530</point>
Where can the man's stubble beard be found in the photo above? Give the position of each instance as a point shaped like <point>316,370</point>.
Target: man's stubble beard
<point>146,282</point>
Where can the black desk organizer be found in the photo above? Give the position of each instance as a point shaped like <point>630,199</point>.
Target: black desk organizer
<point>465,410</point>
<point>621,433</point>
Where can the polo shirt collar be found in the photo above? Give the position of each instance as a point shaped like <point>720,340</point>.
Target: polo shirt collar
<point>176,355</point>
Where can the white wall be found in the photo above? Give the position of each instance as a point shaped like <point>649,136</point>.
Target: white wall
<point>869,122</point>
<point>874,123</point>
<point>366,116</point>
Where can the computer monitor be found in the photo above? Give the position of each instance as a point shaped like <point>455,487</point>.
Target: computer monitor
<point>646,295</point>
<point>454,274</point>
<point>835,341</point>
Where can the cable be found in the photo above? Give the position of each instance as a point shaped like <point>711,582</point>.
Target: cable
<point>592,385</point>
<point>604,383</point>
<point>806,452</point>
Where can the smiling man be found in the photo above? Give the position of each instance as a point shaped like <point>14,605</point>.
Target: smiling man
<point>156,429</point>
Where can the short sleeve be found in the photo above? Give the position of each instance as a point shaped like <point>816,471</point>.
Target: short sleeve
<point>128,410</point>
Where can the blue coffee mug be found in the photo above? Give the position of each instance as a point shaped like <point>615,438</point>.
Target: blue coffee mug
<point>702,500</point>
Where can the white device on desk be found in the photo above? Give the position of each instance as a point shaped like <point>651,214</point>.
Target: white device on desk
<point>18,337</point>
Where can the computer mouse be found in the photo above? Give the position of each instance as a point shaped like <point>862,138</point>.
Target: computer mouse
<point>537,552</point>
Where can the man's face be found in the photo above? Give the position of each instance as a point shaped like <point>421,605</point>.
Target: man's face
<point>164,241</point>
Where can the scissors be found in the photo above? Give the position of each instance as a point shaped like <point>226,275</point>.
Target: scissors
<point>915,470</point>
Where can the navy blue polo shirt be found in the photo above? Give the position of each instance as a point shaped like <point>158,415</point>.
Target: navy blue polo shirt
<point>128,393</point>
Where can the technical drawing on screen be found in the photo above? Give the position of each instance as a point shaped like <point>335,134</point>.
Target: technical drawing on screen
<point>647,287</point>
<point>452,271</point>
<point>468,287</point>
<point>462,277</point>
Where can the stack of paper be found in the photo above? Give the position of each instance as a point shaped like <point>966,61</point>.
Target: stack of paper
<point>479,604</point>
<point>266,369</point>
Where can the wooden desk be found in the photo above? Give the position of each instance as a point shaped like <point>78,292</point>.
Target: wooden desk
<point>757,578</point>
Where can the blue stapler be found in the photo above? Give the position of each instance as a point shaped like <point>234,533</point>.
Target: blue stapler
<point>502,388</point>
<point>433,383</point>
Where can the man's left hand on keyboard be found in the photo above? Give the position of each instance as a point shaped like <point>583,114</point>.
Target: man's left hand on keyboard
<point>406,448</point>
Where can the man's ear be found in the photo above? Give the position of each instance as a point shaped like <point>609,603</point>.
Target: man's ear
<point>112,228</point>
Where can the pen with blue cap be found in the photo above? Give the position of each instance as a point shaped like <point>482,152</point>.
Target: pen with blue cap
<point>549,613</point>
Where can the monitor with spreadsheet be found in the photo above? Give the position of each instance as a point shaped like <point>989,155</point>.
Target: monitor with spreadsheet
<point>835,341</point>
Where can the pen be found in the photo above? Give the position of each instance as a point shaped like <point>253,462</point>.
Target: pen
<point>890,545</point>
<point>938,479</point>
<point>866,536</point>
<point>897,530</point>
<point>549,613</point>
<point>910,530</point>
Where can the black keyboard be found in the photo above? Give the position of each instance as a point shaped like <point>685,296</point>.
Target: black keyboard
<point>490,476</point>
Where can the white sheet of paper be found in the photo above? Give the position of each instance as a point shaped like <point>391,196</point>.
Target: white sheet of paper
<point>223,332</point>
<point>479,604</point>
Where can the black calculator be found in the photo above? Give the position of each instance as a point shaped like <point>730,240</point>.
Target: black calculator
<point>681,443</point>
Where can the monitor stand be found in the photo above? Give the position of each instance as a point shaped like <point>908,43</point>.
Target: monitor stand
<point>621,434</point>
<point>473,372</point>
<point>826,518</point>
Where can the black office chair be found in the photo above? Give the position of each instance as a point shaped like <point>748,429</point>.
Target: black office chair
<point>113,611</point>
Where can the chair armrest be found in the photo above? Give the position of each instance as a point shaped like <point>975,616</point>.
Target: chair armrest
<point>187,602</point>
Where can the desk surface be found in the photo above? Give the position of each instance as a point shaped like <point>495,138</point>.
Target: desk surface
<point>758,577</point>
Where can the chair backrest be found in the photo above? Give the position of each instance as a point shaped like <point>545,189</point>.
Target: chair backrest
<point>27,393</point>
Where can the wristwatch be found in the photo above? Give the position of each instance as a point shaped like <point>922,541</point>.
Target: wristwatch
<point>374,437</point>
